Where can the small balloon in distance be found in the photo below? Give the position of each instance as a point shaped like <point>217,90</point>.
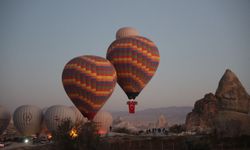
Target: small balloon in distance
<point>126,32</point>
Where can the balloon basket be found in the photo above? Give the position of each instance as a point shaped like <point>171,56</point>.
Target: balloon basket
<point>131,106</point>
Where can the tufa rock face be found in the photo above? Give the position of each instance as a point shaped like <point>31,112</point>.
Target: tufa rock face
<point>161,122</point>
<point>231,123</point>
<point>201,118</point>
<point>231,94</point>
<point>230,100</point>
<point>206,105</point>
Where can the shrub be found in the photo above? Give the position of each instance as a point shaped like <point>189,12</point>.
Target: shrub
<point>76,137</point>
<point>177,128</point>
<point>122,130</point>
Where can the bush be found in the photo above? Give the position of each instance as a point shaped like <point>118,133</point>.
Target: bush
<point>85,137</point>
<point>177,128</point>
<point>88,137</point>
<point>61,137</point>
<point>122,130</point>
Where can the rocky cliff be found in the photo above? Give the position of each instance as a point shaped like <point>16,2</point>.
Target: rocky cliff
<point>201,117</point>
<point>230,101</point>
<point>231,94</point>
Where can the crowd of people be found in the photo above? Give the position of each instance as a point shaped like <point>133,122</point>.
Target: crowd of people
<point>157,131</point>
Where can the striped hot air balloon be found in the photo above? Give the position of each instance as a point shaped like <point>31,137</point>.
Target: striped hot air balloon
<point>135,59</point>
<point>89,81</point>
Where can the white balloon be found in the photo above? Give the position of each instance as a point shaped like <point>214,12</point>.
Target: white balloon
<point>4,119</point>
<point>103,121</point>
<point>44,110</point>
<point>126,32</point>
<point>55,115</point>
<point>43,126</point>
<point>28,119</point>
<point>79,117</point>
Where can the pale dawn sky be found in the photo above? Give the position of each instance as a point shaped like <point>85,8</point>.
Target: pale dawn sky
<point>197,39</point>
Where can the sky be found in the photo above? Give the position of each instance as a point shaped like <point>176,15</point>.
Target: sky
<point>197,40</point>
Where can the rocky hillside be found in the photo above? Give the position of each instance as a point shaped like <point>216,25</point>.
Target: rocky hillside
<point>219,112</point>
<point>174,115</point>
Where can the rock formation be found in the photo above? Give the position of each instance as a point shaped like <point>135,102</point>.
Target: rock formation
<point>201,118</point>
<point>118,120</point>
<point>231,94</point>
<point>120,123</point>
<point>230,101</point>
<point>162,122</point>
<point>232,123</point>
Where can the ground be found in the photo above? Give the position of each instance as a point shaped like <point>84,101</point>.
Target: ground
<point>129,142</point>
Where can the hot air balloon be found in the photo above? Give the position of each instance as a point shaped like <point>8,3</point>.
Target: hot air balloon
<point>44,129</point>
<point>135,59</point>
<point>28,120</point>
<point>4,119</point>
<point>103,122</point>
<point>56,115</point>
<point>79,117</point>
<point>126,32</point>
<point>89,81</point>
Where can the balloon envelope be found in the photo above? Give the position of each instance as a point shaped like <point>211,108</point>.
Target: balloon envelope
<point>44,129</point>
<point>136,60</point>
<point>126,32</point>
<point>103,120</point>
<point>56,115</point>
<point>89,81</point>
<point>4,119</point>
<point>79,117</point>
<point>28,119</point>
